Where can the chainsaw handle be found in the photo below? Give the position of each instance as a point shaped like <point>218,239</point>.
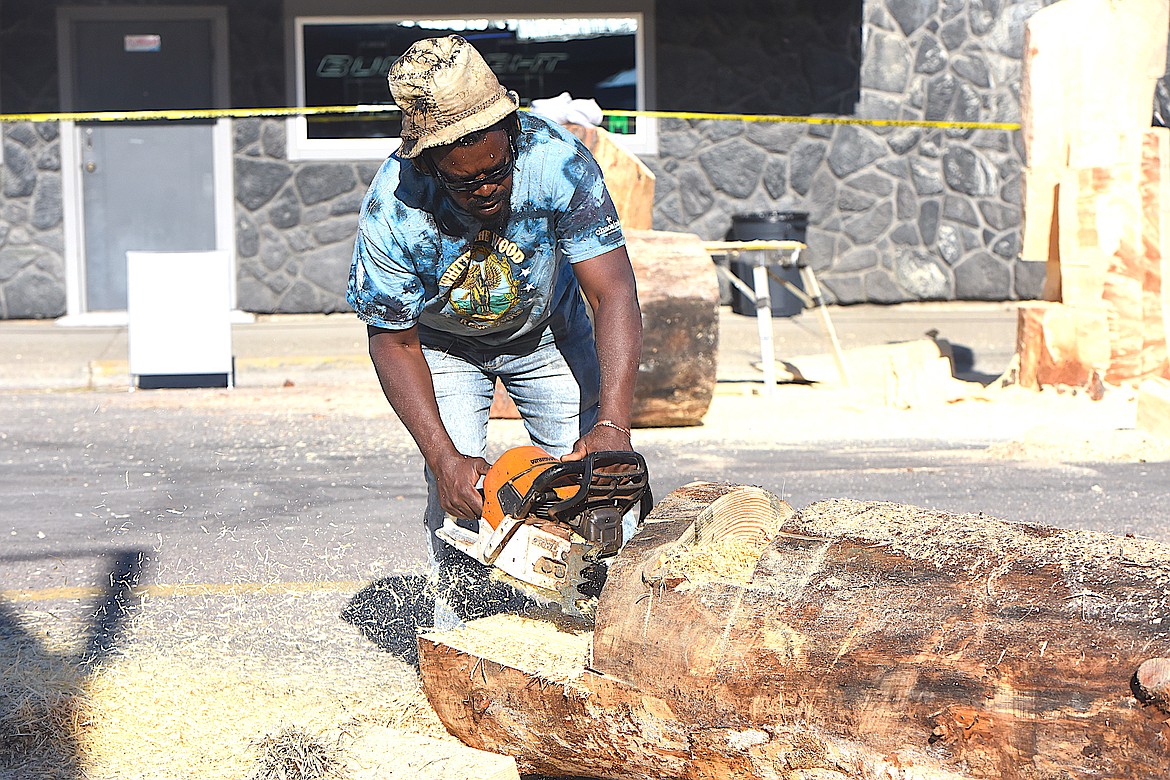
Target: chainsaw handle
<point>598,486</point>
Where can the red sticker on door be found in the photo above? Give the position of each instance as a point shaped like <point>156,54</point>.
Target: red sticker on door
<point>142,42</point>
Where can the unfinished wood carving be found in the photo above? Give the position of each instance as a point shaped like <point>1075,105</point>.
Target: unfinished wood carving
<point>1096,195</point>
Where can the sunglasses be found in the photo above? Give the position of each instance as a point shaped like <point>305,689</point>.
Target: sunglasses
<point>494,176</point>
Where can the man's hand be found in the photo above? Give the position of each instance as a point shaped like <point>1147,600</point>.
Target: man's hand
<point>456,477</point>
<point>600,439</point>
<point>406,382</point>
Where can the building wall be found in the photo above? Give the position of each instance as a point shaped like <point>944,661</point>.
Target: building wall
<point>896,214</point>
<point>295,223</point>
<point>32,239</point>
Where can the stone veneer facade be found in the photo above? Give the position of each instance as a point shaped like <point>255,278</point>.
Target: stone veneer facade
<point>896,214</point>
<point>32,237</point>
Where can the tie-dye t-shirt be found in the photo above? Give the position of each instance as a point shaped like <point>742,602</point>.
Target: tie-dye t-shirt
<point>421,259</point>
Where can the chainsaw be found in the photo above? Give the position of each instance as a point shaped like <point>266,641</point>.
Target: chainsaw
<point>549,528</point>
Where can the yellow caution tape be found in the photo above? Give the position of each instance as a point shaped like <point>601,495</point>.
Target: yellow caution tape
<point>193,113</point>
<point>246,113</point>
<point>824,120</point>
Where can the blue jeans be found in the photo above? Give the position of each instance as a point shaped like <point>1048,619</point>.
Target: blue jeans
<point>554,381</point>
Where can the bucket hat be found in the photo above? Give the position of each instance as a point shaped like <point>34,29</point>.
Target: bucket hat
<point>445,90</point>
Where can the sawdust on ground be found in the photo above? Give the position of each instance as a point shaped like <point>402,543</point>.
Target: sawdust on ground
<point>177,700</point>
<point>1010,422</point>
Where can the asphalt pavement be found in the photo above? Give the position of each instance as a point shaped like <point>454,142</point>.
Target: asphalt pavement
<point>302,472</point>
<point>268,538</point>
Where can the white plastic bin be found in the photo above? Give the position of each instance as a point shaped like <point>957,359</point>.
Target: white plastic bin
<point>179,309</point>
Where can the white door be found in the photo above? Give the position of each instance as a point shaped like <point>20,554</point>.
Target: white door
<point>144,186</point>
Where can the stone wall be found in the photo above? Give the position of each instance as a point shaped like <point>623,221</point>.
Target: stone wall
<point>895,214</point>
<point>295,223</point>
<point>32,239</point>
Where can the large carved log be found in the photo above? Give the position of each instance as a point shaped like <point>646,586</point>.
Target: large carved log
<point>869,640</point>
<point>678,293</point>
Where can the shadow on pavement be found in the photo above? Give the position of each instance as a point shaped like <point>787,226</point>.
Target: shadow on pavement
<point>42,691</point>
<point>962,359</point>
<point>391,612</point>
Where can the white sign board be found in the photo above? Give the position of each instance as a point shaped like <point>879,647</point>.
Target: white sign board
<point>179,308</point>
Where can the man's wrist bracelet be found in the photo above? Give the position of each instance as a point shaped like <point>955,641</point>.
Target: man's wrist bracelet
<point>612,424</point>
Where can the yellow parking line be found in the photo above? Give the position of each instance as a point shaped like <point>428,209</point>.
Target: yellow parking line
<point>179,590</point>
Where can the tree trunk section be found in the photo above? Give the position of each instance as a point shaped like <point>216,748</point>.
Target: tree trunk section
<point>1095,190</point>
<point>678,292</point>
<point>869,640</point>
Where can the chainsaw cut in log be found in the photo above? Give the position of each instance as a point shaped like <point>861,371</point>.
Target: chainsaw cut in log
<point>867,640</point>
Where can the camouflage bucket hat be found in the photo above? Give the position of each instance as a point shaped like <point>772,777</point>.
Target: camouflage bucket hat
<point>445,90</point>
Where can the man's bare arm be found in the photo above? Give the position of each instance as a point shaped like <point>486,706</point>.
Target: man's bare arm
<point>406,381</point>
<point>608,283</point>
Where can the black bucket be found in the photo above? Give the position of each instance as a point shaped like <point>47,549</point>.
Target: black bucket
<point>768,226</point>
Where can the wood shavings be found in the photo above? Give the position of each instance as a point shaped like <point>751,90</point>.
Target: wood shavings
<point>726,541</point>
<point>731,559</point>
<point>539,648</point>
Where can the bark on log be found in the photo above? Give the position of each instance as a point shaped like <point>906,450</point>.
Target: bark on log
<point>678,292</point>
<point>872,640</point>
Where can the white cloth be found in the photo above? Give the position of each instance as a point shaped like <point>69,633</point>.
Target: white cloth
<point>564,109</point>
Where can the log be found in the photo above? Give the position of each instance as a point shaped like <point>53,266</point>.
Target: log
<point>870,640</point>
<point>1094,195</point>
<point>629,181</point>
<point>678,292</point>
<point>1155,197</point>
<point>1062,345</point>
<point>1153,407</point>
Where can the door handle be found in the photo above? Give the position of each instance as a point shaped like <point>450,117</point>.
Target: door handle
<point>90,166</point>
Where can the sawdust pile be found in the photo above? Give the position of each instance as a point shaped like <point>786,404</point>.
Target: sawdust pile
<point>294,754</point>
<point>540,648</point>
<point>177,716</point>
<point>43,708</point>
<point>726,541</point>
<point>726,560</point>
<point>189,693</point>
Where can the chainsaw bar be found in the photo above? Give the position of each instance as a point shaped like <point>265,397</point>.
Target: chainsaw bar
<point>577,597</point>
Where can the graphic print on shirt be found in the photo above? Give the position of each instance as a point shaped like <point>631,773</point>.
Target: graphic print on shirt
<point>486,281</point>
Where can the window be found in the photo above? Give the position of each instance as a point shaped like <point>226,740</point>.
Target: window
<point>343,61</point>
